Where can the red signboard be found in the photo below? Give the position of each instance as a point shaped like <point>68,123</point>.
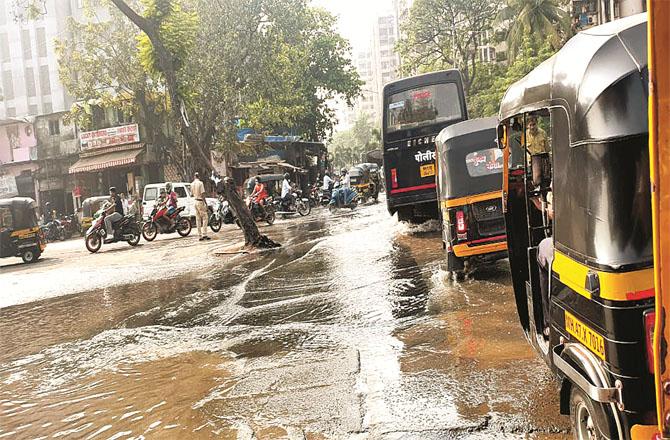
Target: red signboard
<point>110,137</point>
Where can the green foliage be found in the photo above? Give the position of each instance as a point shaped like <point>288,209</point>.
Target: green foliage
<point>486,100</point>
<point>541,21</point>
<point>349,146</point>
<point>177,28</point>
<point>444,34</point>
<point>99,65</point>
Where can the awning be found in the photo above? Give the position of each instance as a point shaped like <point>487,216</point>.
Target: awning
<point>105,160</point>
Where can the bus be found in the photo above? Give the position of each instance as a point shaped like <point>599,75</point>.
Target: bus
<point>416,109</point>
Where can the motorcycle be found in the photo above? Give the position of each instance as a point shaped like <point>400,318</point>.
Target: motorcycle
<point>220,215</point>
<point>314,196</point>
<point>343,198</point>
<point>53,231</point>
<point>156,223</point>
<point>262,213</point>
<point>70,225</point>
<point>299,205</point>
<point>126,229</point>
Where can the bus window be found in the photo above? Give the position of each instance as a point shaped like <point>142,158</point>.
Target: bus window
<point>427,105</point>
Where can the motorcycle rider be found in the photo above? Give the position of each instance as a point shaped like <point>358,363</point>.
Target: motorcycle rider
<point>327,181</point>
<point>286,192</point>
<point>114,213</point>
<point>171,203</point>
<point>259,193</point>
<point>346,180</point>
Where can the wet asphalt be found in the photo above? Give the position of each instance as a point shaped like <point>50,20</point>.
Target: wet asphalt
<point>352,330</point>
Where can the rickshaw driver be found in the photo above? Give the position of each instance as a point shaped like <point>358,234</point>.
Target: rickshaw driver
<point>537,145</point>
<point>114,213</point>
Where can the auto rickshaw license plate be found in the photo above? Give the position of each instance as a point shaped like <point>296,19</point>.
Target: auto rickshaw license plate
<point>427,170</point>
<point>585,335</point>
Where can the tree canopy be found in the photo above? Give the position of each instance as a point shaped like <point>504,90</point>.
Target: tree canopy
<point>348,147</point>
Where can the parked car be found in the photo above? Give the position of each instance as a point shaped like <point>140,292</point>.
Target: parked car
<point>184,197</point>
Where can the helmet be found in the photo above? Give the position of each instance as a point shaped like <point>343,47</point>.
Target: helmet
<point>112,189</point>
<point>344,171</point>
<point>286,176</point>
<point>47,204</point>
<point>168,187</point>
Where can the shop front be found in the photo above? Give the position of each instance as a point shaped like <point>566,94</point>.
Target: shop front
<point>112,157</point>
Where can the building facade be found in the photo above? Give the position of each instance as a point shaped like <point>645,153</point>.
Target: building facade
<point>28,61</point>
<point>18,154</point>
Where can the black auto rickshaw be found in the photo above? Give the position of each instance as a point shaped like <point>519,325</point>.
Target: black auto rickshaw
<point>20,234</point>
<point>579,233</point>
<point>362,179</point>
<point>469,189</point>
<point>89,207</point>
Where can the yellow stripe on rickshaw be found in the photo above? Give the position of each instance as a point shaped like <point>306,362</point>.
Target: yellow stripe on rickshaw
<point>461,201</point>
<point>622,286</point>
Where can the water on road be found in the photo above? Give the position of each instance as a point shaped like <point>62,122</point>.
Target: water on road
<point>350,330</point>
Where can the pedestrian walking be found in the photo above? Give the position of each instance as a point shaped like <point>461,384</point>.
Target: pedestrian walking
<point>201,215</point>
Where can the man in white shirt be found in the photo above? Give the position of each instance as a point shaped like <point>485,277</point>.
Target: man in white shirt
<point>346,180</point>
<point>327,181</point>
<point>201,215</point>
<point>286,192</point>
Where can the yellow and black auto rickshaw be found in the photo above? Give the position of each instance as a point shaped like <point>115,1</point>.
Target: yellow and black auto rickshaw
<point>20,234</point>
<point>469,188</point>
<point>577,203</point>
<point>364,178</point>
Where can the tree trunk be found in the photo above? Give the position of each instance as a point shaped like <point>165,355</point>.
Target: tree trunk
<point>167,66</point>
<point>252,236</point>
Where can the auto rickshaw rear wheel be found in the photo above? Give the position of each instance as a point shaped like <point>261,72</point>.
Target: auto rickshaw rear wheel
<point>30,255</point>
<point>584,417</point>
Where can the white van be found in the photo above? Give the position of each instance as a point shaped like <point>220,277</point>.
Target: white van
<point>184,197</point>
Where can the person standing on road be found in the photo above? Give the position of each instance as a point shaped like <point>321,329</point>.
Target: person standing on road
<point>201,215</point>
<point>114,214</point>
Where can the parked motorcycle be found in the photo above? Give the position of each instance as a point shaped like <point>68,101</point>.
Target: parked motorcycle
<point>70,225</point>
<point>127,229</point>
<point>219,215</point>
<point>158,224</point>
<point>314,195</point>
<point>343,198</point>
<point>53,231</point>
<point>299,205</point>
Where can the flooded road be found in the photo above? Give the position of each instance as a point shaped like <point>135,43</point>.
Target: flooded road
<point>349,331</point>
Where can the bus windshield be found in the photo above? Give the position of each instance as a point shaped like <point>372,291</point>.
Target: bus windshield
<point>423,106</point>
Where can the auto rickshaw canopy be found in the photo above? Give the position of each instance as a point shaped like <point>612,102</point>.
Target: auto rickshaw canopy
<point>87,205</point>
<point>22,211</point>
<point>469,160</point>
<point>599,77</point>
<point>595,90</point>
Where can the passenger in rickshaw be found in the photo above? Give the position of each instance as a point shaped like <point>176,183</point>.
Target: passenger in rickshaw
<point>538,147</point>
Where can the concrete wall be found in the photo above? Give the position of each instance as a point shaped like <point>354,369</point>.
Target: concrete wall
<point>16,143</point>
<point>630,7</point>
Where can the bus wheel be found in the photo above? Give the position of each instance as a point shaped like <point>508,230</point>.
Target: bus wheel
<point>583,417</point>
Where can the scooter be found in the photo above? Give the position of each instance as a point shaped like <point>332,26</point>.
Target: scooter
<point>343,198</point>
<point>125,229</point>
<point>158,224</point>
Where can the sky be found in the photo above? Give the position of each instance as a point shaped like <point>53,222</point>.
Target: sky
<point>356,17</point>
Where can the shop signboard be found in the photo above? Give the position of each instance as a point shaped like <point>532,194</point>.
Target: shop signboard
<point>109,137</point>
<point>8,187</point>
